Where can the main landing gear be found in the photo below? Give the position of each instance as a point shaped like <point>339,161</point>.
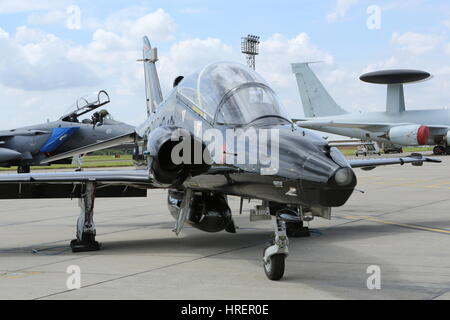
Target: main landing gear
<point>85,240</point>
<point>441,150</point>
<point>23,169</point>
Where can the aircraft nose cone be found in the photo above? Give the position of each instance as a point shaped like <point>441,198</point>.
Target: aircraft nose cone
<point>344,177</point>
<point>323,174</point>
<point>329,181</point>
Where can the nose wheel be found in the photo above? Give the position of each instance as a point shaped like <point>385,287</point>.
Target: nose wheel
<point>274,266</point>
<point>275,254</point>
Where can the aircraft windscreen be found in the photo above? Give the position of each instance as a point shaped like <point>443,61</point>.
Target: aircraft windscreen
<point>230,93</point>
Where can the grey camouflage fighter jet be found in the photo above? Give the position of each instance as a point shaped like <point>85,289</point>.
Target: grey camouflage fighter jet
<point>29,146</point>
<point>297,175</point>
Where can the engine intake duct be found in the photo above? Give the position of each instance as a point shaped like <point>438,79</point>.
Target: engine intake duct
<point>176,154</point>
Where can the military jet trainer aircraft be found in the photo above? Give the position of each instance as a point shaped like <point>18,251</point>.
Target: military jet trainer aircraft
<point>394,128</point>
<point>298,177</point>
<point>29,146</point>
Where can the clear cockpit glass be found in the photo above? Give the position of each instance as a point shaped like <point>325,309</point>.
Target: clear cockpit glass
<point>87,103</point>
<point>230,93</point>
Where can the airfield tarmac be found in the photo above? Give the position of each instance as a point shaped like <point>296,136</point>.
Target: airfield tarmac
<point>401,224</point>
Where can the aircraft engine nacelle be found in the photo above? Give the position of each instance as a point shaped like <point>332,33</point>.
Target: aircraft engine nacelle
<point>409,135</point>
<point>168,165</point>
<point>209,212</point>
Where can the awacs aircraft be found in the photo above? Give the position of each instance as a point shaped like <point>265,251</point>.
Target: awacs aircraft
<point>304,177</point>
<point>28,146</point>
<point>394,127</point>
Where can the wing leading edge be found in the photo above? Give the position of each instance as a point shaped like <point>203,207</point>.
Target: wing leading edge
<point>53,185</point>
<point>368,164</point>
<point>111,176</point>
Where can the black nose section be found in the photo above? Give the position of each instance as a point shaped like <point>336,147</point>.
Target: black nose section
<point>338,188</point>
<point>334,190</point>
<point>343,177</point>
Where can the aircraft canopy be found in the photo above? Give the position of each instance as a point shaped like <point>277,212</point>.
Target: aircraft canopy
<point>230,93</point>
<point>86,104</point>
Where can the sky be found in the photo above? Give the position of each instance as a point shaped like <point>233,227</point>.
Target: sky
<point>54,51</point>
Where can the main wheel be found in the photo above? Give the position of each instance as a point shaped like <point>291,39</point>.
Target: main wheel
<point>447,150</point>
<point>23,169</point>
<point>438,150</point>
<point>274,267</point>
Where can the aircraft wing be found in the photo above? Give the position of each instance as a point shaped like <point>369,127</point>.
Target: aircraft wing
<point>68,184</point>
<point>349,144</point>
<point>369,164</point>
<point>369,126</point>
<point>113,183</point>
<point>12,133</point>
<point>117,141</point>
<point>377,127</point>
<point>110,176</point>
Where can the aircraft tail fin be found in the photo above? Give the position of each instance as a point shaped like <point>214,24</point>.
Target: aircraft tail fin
<point>152,86</point>
<point>316,101</point>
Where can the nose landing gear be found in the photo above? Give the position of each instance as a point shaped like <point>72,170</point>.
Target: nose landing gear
<point>277,251</point>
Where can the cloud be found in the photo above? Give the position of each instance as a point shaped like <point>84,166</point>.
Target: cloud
<point>15,6</point>
<point>49,17</point>
<point>447,48</point>
<point>132,23</point>
<point>35,64</point>
<point>340,10</point>
<point>277,52</point>
<point>416,43</point>
<point>34,60</point>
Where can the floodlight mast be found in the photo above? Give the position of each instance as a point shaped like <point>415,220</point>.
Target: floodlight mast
<point>250,47</point>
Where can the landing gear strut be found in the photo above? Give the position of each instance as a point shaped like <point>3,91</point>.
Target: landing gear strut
<point>23,169</point>
<point>276,253</point>
<point>297,230</point>
<point>85,240</point>
<point>293,217</point>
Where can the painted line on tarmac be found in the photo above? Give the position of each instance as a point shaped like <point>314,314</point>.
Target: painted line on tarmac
<point>398,224</point>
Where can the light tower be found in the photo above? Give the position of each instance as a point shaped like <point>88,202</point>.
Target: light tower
<point>250,47</point>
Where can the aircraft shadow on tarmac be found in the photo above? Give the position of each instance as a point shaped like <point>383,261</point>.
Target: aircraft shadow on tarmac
<point>318,261</point>
<point>315,261</point>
